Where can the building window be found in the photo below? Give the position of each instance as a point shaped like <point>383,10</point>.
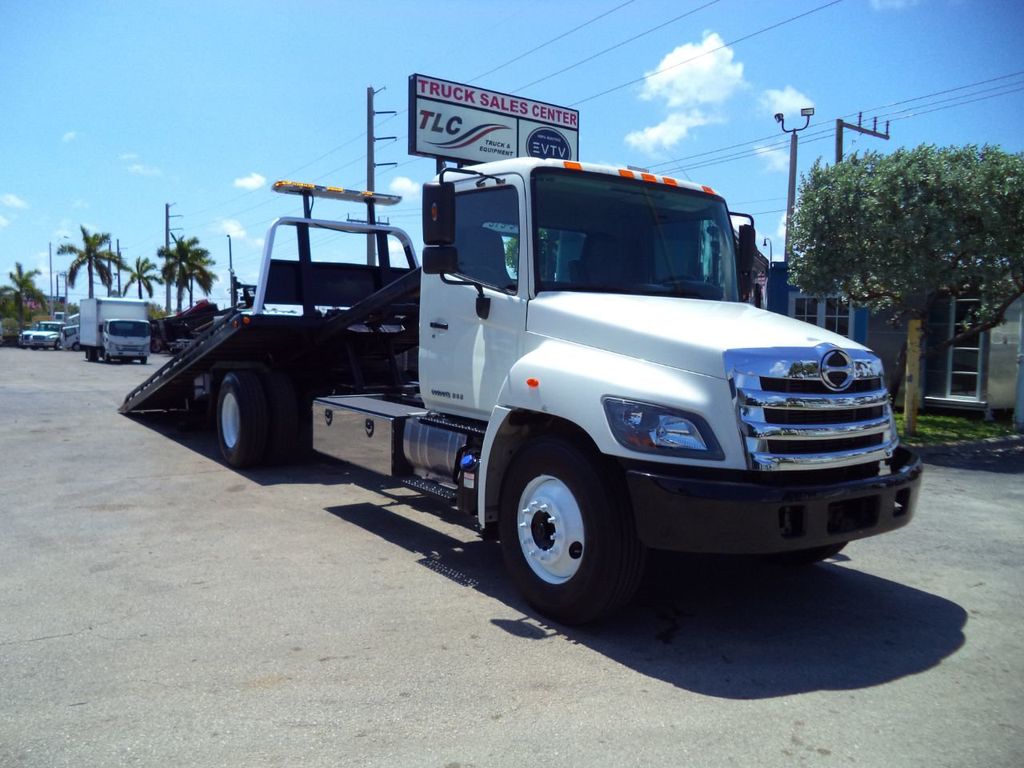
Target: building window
<point>832,313</point>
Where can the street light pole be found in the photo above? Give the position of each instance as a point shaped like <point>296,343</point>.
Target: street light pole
<point>806,113</point>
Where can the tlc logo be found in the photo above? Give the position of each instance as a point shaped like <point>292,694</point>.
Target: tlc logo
<point>435,123</point>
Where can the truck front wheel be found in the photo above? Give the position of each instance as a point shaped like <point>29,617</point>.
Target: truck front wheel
<point>567,532</point>
<point>242,419</point>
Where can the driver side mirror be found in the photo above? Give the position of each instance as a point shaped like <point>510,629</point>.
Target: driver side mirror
<point>438,213</point>
<point>440,259</point>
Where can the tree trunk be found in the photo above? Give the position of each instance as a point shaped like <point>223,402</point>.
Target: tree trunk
<point>912,388</point>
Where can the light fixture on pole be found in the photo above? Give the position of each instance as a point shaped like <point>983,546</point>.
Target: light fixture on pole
<point>805,113</point>
<point>771,255</point>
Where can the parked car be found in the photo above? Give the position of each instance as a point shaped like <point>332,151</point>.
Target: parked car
<point>69,337</point>
<point>43,335</point>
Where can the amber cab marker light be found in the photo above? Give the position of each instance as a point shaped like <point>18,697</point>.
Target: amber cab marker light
<point>532,383</point>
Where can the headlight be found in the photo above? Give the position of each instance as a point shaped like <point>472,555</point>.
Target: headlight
<point>656,429</point>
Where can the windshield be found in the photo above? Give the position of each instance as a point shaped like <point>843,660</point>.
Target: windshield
<point>50,326</point>
<point>597,232</point>
<point>128,328</point>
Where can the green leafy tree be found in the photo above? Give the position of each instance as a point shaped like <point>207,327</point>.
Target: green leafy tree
<point>142,275</point>
<point>95,255</point>
<point>898,233</point>
<point>23,291</point>
<point>186,265</point>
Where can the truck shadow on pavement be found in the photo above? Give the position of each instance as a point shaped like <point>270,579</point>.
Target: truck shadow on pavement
<point>730,627</point>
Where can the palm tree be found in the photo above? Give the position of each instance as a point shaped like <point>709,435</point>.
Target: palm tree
<point>199,274</point>
<point>92,255</point>
<point>185,264</point>
<point>143,275</point>
<point>23,289</point>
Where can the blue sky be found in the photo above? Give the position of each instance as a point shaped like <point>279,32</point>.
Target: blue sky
<point>112,109</point>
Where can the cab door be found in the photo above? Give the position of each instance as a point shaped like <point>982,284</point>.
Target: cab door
<point>468,345</point>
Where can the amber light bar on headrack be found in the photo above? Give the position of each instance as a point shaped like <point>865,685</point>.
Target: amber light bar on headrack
<point>335,193</point>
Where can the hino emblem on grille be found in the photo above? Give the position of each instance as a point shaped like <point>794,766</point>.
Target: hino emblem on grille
<point>836,370</point>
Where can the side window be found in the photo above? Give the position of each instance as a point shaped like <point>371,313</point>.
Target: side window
<point>487,236</point>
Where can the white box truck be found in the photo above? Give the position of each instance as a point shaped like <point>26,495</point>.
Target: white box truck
<point>573,366</point>
<point>114,329</point>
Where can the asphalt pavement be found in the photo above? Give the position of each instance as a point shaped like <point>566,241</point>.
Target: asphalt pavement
<point>158,608</point>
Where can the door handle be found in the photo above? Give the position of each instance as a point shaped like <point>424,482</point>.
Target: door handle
<point>439,325</point>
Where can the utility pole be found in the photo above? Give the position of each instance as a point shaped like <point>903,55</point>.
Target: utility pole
<point>806,113</point>
<point>167,248</point>
<point>231,272</point>
<point>371,167</point>
<point>118,266</point>
<point>840,125</point>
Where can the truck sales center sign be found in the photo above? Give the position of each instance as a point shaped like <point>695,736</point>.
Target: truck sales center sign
<point>466,124</point>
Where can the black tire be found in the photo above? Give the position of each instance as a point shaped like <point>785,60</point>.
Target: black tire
<point>242,419</point>
<point>143,360</point>
<point>596,560</point>
<point>282,424</point>
<point>809,556</point>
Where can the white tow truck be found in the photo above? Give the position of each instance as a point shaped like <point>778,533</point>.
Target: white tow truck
<point>572,367</point>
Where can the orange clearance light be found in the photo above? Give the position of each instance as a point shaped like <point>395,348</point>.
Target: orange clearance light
<point>532,383</point>
<point>572,166</point>
<point>433,211</point>
<point>709,190</point>
<point>246,320</point>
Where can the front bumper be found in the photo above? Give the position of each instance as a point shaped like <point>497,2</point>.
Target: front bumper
<point>716,516</point>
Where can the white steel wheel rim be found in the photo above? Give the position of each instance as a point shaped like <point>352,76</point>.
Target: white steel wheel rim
<point>550,527</point>
<point>230,419</point>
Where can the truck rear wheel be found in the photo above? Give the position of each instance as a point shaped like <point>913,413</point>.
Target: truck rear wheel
<point>567,532</point>
<point>242,419</point>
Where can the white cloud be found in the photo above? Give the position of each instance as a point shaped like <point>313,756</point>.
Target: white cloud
<point>668,132</point>
<point>4,222</point>
<point>144,170</point>
<point>234,228</point>
<point>691,80</point>
<point>68,137</point>
<point>892,5</point>
<point>776,159</point>
<point>789,101</point>
<point>251,182</point>
<point>409,190</point>
<point>128,157</point>
<point>13,201</point>
<point>695,74</point>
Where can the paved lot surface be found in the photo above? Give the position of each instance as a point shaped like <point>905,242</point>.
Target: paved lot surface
<point>160,609</point>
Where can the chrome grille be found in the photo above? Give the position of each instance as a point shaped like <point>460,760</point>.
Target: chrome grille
<point>790,419</point>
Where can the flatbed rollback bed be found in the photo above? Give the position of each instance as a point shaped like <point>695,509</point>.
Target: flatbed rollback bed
<point>316,328</point>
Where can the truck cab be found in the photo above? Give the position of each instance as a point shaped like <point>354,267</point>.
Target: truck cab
<point>590,318</point>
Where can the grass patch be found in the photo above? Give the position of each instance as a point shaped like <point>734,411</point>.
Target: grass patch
<point>933,428</point>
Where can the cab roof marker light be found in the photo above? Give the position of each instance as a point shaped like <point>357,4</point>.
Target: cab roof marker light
<point>670,181</point>
<point>648,177</point>
<point>709,190</point>
<point>572,166</point>
<point>627,173</point>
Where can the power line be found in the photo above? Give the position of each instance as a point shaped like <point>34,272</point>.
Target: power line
<point>553,40</point>
<point>620,44</point>
<point>706,53</point>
